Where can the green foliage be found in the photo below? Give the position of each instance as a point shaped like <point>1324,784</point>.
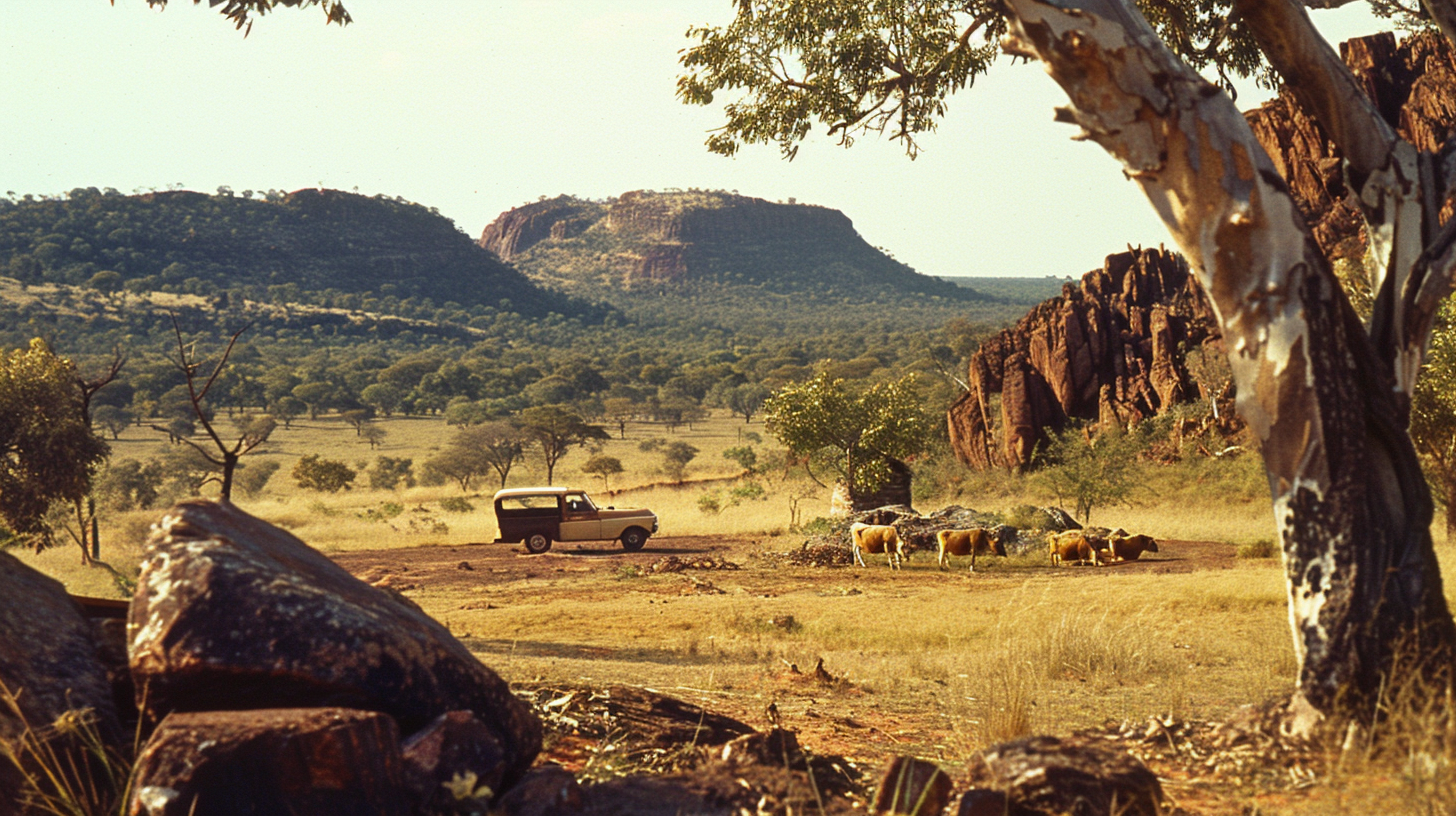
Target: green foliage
<point>1263,548</point>
<point>389,473</point>
<point>603,466</point>
<point>1090,473</point>
<point>252,476</point>
<point>1433,412</point>
<point>456,504</point>
<point>49,451</point>
<point>128,484</point>
<point>337,246</point>
<point>872,67</point>
<point>675,459</point>
<point>748,490</point>
<point>744,455</point>
<point>555,430</point>
<point>325,475</point>
<point>710,503</point>
<point>855,436</point>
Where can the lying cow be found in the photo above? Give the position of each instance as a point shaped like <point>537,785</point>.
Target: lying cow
<point>874,539</point>
<point>1130,548</point>
<point>1078,546</point>
<point>973,542</point>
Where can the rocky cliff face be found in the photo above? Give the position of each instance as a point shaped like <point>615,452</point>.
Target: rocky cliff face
<point>653,237</point>
<point>1109,349</point>
<point>519,229</point>
<point>1413,85</point>
<point>1114,348</point>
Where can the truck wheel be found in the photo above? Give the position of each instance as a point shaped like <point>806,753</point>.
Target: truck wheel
<point>538,543</point>
<point>633,538</point>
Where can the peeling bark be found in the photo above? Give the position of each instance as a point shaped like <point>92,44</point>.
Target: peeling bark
<point>1352,508</point>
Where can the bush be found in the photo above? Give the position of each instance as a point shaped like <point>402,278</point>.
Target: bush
<point>251,477</point>
<point>389,473</point>
<point>710,503</point>
<point>456,504</point>
<point>748,491</point>
<point>1263,548</point>
<point>326,475</point>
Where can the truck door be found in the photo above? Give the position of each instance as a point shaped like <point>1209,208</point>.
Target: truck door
<point>579,518</point>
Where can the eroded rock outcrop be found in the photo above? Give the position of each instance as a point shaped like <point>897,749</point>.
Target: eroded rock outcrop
<point>1110,349</point>
<point>1413,85</point>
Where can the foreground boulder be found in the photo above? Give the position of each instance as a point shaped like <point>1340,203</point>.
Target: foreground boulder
<point>234,613</point>
<point>1046,776</point>
<point>49,665</point>
<point>321,761</point>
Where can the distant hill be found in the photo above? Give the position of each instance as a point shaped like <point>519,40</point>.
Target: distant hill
<point>648,251</point>
<point>312,246</point>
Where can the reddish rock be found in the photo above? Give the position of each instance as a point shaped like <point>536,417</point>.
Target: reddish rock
<point>234,613</point>
<point>456,746</point>
<point>1046,776</point>
<point>319,761</point>
<point>1109,350</point>
<point>50,661</point>
<point>912,787</point>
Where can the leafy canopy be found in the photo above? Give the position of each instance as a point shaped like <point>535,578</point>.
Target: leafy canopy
<point>855,67</point>
<point>47,450</point>
<point>856,436</point>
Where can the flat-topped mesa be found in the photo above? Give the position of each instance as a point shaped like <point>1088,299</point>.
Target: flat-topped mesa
<point>689,236</point>
<point>1110,350</point>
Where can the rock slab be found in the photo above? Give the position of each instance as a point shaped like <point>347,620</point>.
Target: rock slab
<point>321,761</point>
<point>234,613</point>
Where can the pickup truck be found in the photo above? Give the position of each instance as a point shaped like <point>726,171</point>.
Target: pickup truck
<point>538,516</point>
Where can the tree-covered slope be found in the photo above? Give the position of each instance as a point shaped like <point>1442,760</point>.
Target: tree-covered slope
<point>321,246</point>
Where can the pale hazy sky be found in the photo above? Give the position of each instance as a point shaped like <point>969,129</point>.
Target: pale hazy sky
<point>476,106</point>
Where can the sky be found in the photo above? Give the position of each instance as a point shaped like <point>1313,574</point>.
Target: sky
<point>477,106</point>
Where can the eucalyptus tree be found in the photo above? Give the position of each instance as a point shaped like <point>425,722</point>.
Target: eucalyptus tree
<point>1328,397</point>
<point>858,437</point>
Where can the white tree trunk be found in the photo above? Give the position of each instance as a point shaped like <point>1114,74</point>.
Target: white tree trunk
<point>1352,509</point>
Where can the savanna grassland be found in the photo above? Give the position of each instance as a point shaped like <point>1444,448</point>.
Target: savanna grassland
<point>921,661</point>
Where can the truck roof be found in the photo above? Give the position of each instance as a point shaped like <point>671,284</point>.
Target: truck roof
<point>535,491</point>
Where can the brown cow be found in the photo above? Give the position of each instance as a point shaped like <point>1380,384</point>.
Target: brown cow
<point>972,542</point>
<point>1076,545</point>
<point>876,538</point>
<point>1131,548</point>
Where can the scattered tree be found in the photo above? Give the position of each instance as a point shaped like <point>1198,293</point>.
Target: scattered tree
<point>388,473</point>
<point>555,431</point>
<point>112,419</point>
<point>49,451</point>
<point>1089,471</point>
<point>619,410</point>
<point>745,456</point>
<point>747,399</point>
<point>325,475</point>
<point>374,435</point>
<point>605,467</point>
<point>675,459</point>
<point>857,437</point>
<point>252,477</point>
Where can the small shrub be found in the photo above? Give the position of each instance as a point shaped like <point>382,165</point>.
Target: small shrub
<point>817,526</point>
<point>456,504</point>
<point>326,475</point>
<point>1262,548</point>
<point>322,509</point>
<point>710,503</point>
<point>628,571</point>
<point>383,512</point>
<point>1026,517</point>
<point>748,491</point>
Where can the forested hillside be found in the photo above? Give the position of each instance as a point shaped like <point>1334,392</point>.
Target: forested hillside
<point>323,247</point>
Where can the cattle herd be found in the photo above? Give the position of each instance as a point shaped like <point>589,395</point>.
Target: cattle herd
<point>1070,547</point>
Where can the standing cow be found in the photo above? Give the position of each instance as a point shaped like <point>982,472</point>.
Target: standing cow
<point>972,542</point>
<point>877,538</point>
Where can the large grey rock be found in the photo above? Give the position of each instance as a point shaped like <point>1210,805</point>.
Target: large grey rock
<point>234,613</point>
<point>49,662</point>
<point>318,761</point>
